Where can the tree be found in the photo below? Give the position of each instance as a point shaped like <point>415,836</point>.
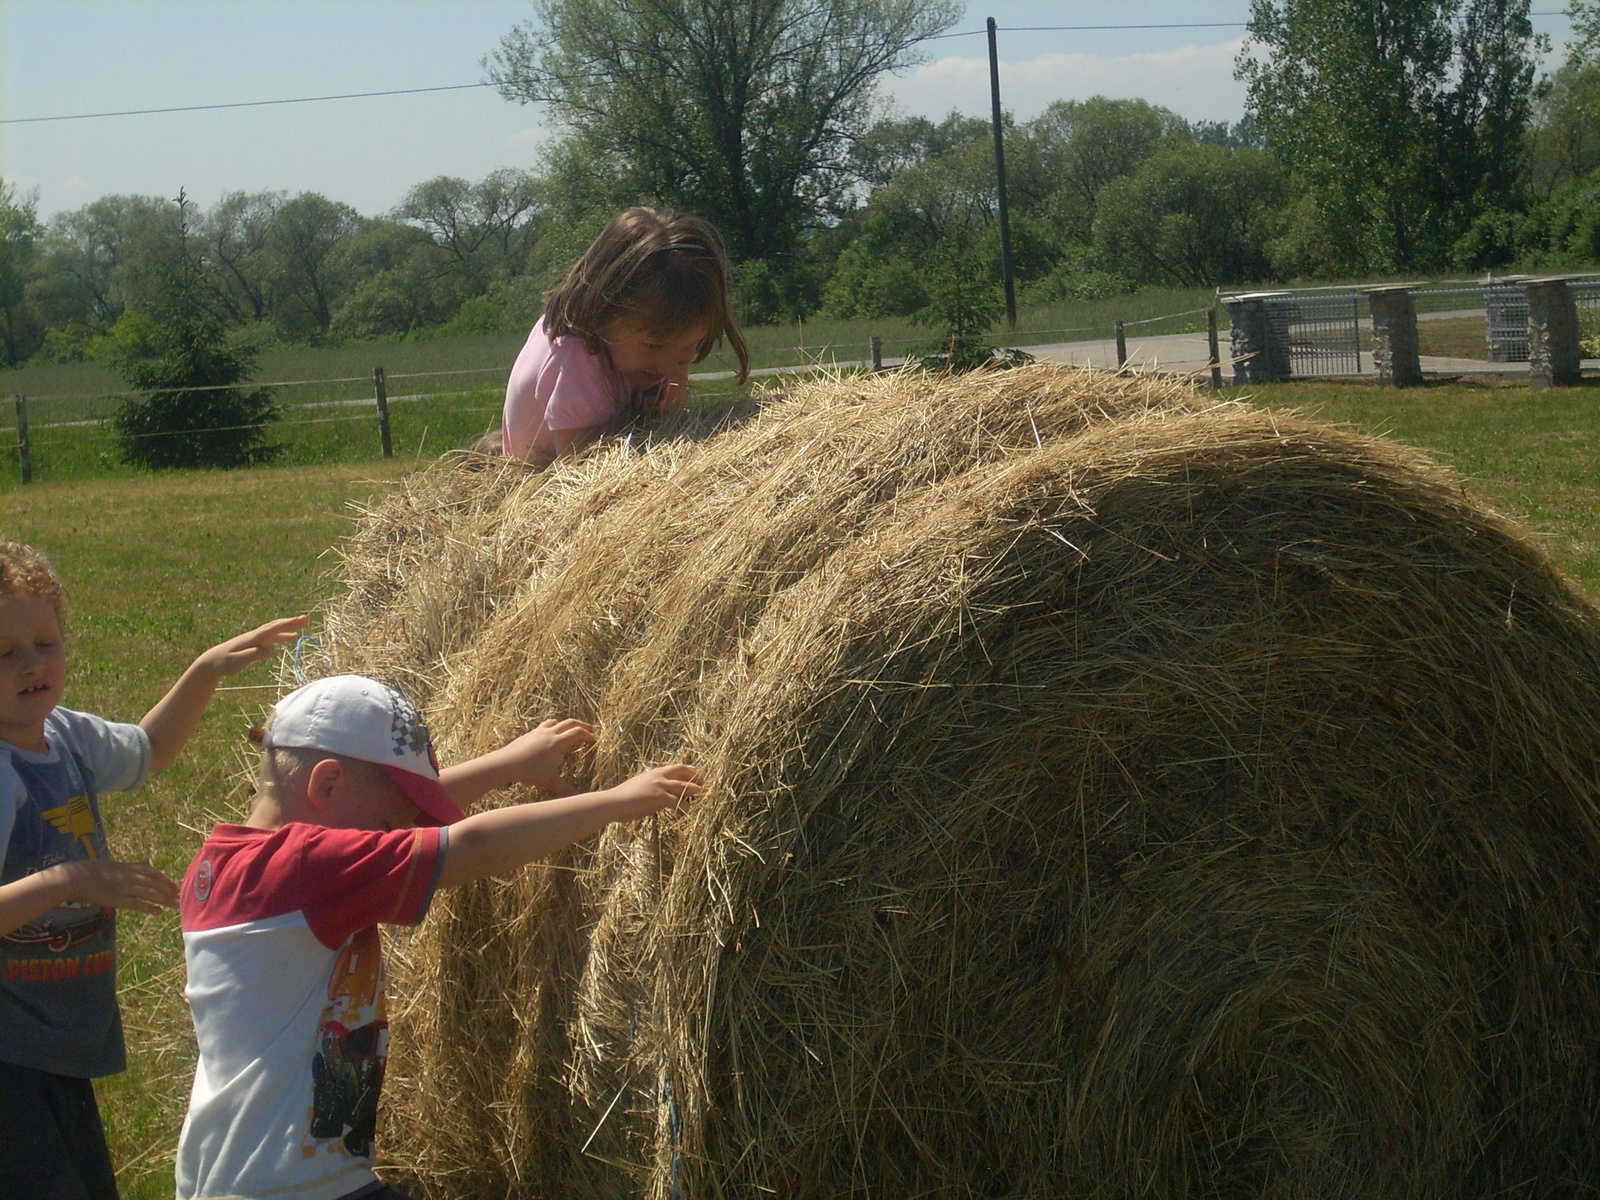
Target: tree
<point>101,258</point>
<point>478,229</point>
<point>930,216</point>
<point>303,247</point>
<point>1082,145</point>
<point>1585,17</point>
<point>1564,142</point>
<point>1195,216</point>
<point>1403,119</point>
<point>235,236</point>
<point>742,111</point>
<point>20,230</point>
<point>178,352</point>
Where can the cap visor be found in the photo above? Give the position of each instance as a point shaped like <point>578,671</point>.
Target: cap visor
<point>432,801</point>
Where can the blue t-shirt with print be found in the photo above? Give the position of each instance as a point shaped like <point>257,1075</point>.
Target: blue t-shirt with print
<point>58,973</point>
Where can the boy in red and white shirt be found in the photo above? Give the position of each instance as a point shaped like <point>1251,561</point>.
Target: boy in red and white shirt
<point>353,825</point>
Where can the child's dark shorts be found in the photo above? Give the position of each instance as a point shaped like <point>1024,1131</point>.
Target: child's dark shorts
<point>52,1145</point>
<point>375,1191</point>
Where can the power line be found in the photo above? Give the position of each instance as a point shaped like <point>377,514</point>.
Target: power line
<point>1086,28</point>
<point>141,112</point>
<point>458,87</point>
<point>1099,28</point>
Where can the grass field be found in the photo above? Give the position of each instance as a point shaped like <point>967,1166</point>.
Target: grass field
<point>416,365</point>
<point>161,566</point>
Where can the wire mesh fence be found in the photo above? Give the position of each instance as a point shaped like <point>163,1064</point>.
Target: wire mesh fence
<point>319,421</point>
<point>338,418</point>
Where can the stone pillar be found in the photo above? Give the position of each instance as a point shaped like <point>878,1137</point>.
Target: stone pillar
<point>1259,354</point>
<point>1394,336</point>
<point>1555,352</point>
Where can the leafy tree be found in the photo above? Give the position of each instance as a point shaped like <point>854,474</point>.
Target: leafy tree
<point>178,351</point>
<point>1403,119</point>
<point>1585,18</point>
<point>477,229</point>
<point>742,111</point>
<point>304,250</point>
<point>963,302</point>
<point>99,259</point>
<point>235,236</point>
<point>893,145</point>
<point>1564,143</point>
<point>19,237</point>
<point>929,211</point>
<point>1237,135</point>
<point>1083,145</point>
<point>1196,216</point>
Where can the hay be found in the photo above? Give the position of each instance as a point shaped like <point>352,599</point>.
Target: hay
<point>1111,794</point>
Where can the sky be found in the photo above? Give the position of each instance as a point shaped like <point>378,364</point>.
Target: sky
<point>70,57</point>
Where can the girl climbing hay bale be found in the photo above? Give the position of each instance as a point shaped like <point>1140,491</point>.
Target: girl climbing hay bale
<point>1109,793</point>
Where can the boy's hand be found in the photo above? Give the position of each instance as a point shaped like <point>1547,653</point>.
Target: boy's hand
<point>117,884</point>
<point>176,714</point>
<point>503,839</point>
<point>537,755</point>
<point>658,788</point>
<point>534,758</point>
<point>235,654</point>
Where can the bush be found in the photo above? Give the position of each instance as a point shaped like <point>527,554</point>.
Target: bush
<point>1077,275</point>
<point>865,284</point>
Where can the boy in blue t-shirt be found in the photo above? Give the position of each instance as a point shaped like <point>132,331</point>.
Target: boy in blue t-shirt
<point>59,1025</point>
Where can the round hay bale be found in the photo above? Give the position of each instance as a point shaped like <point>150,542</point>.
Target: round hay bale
<point>1110,793</point>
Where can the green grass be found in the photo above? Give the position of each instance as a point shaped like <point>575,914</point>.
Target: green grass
<point>160,566</point>
<point>64,391</point>
<point>1535,455</point>
<point>309,434</point>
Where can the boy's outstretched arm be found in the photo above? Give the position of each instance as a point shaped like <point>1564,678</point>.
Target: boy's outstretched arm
<point>534,758</point>
<point>503,839</point>
<point>175,716</point>
<point>94,881</point>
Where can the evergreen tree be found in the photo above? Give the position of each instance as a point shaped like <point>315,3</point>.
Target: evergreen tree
<point>180,354</point>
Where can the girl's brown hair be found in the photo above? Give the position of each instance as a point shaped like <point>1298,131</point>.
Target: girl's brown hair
<point>661,270</point>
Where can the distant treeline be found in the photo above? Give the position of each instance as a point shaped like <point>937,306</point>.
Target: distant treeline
<point>1430,148</point>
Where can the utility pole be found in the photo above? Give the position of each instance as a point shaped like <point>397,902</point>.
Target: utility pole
<point>1000,183</point>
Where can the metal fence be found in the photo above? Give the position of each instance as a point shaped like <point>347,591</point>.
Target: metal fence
<point>1506,317</point>
<point>1323,333</point>
<point>1587,297</point>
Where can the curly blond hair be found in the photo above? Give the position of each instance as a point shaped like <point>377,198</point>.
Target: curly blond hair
<point>25,573</point>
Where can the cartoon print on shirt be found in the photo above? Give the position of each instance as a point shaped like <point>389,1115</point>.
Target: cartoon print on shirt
<point>352,1049</point>
<point>72,922</point>
<point>75,819</point>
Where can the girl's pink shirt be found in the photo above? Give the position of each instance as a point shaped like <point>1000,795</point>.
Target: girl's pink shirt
<point>558,384</point>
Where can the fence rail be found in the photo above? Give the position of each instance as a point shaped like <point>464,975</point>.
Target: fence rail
<point>1320,329</point>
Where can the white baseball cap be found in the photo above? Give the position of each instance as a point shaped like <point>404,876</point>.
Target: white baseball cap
<point>361,718</point>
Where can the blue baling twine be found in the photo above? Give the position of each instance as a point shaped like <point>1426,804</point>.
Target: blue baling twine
<point>672,1117</point>
<point>299,643</point>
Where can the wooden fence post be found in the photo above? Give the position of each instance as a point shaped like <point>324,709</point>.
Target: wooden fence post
<point>24,450</point>
<point>1122,347</point>
<point>877,354</point>
<point>383,411</point>
<point>1211,339</point>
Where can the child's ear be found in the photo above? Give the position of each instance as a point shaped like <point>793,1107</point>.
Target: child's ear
<point>323,783</point>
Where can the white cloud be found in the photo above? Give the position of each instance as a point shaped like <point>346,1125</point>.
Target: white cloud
<point>528,138</point>
<point>1195,81</point>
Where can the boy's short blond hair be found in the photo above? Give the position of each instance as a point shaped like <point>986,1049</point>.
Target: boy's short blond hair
<point>26,574</point>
